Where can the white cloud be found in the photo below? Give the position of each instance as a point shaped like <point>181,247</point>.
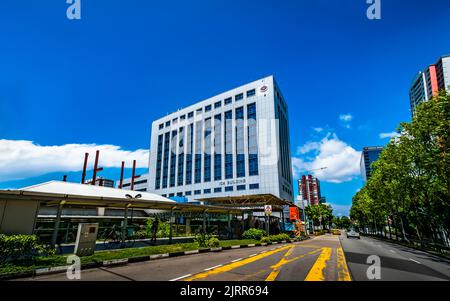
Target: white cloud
<point>389,135</point>
<point>346,117</point>
<point>22,159</point>
<point>341,159</point>
<point>318,130</point>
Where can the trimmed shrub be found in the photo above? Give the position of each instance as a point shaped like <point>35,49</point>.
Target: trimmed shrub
<point>21,247</point>
<point>253,233</point>
<point>202,239</point>
<point>265,240</point>
<point>280,237</point>
<point>213,242</point>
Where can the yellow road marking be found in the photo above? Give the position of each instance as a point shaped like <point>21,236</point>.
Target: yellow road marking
<point>343,273</point>
<point>273,275</point>
<point>317,271</point>
<point>234,265</point>
<point>277,267</point>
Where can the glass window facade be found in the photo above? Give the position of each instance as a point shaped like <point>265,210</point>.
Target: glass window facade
<point>166,159</point>
<point>252,140</point>
<point>217,147</point>
<point>180,172</point>
<point>228,144</point>
<point>228,100</point>
<point>207,151</point>
<point>159,162</point>
<point>240,155</point>
<point>198,152</point>
<point>173,158</point>
<point>189,152</point>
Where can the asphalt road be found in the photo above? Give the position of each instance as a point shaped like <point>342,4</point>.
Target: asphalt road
<point>397,263</point>
<point>318,259</point>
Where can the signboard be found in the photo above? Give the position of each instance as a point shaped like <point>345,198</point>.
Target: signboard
<point>294,214</point>
<point>86,238</point>
<point>267,209</point>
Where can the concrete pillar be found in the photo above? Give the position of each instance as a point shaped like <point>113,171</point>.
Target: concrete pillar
<point>282,219</point>
<point>230,233</point>
<point>188,225</point>
<point>204,221</point>
<point>57,222</point>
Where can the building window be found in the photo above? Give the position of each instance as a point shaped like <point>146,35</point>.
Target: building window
<point>228,100</point>
<point>240,187</point>
<point>239,97</point>
<point>240,156</point>
<point>229,188</point>
<point>218,189</point>
<point>167,123</point>
<point>179,194</point>
<point>199,111</point>
<point>190,114</point>
<point>252,140</point>
<point>217,104</point>
<point>182,117</point>
<point>207,151</point>
<point>207,191</point>
<point>198,152</point>
<point>188,193</point>
<point>208,108</point>
<point>171,195</point>
<point>159,162</point>
<point>217,147</point>
<point>197,192</point>
<point>190,148</point>
<point>166,159</point>
<point>228,145</point>
<point>254,186</point>
<point>175,120</point>
<point>173,159</point>
<point>161,126</point>
<point>251,93</point>
<point>180,157</point>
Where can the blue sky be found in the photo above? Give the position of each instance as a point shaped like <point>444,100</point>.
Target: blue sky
<point>103,79</point>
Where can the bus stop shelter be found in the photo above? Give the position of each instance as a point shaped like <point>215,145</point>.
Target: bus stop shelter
<point>19,208</point>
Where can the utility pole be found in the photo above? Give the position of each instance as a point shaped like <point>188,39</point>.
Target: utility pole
<point>133,176</point>
<point>96,168</point>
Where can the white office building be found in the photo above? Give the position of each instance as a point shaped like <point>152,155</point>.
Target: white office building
<point>232,144</point>
<point>140,184</point>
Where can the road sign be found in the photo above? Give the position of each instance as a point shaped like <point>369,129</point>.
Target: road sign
<point>267,209</point>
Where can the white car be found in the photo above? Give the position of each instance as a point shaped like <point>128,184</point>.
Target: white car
<point>354,234</point>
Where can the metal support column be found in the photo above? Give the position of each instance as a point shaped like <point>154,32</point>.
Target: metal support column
<point>57,222</point>
<point>282,219</point>
<point>125,224</point>
<point>170,224</point>
<point>204,222</point>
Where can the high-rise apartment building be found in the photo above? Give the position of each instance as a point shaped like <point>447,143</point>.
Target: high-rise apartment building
<point>233,144</point>
<point>429,82</point>
<point>309,189</point>
<point>368,156</point>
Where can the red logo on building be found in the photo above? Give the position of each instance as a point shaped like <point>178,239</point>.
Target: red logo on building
<point>264,89</point>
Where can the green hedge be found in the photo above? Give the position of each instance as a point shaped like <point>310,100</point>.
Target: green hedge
<point>21,247</point>
<point>275,238</point>
<point>253,234</point>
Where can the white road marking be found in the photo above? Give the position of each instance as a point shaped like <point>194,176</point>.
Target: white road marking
<point>236,260</point>
<point>211,268</point>
<point>392,251</point>
<point>175,279</point>
<point>414,261</point>
<point>253,255</point>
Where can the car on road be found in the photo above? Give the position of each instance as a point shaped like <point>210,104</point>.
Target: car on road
<point>353,234</point>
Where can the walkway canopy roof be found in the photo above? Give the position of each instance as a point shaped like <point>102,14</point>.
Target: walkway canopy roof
<point>54,193</point>
<point>248,201</point>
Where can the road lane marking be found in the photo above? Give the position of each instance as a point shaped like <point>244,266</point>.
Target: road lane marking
<point>253,255</point>
<point>273,275</point>
<point>181,277</point>
<point>414,260</point>
<point>216,266</point>
<point>236,260</point>
<point>392,251</point>
<point>234,265</point>
<point>317,271</point>
<point>343,272</point>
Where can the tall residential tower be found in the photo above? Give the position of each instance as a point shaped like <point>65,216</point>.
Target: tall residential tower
<point>429,82</point>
